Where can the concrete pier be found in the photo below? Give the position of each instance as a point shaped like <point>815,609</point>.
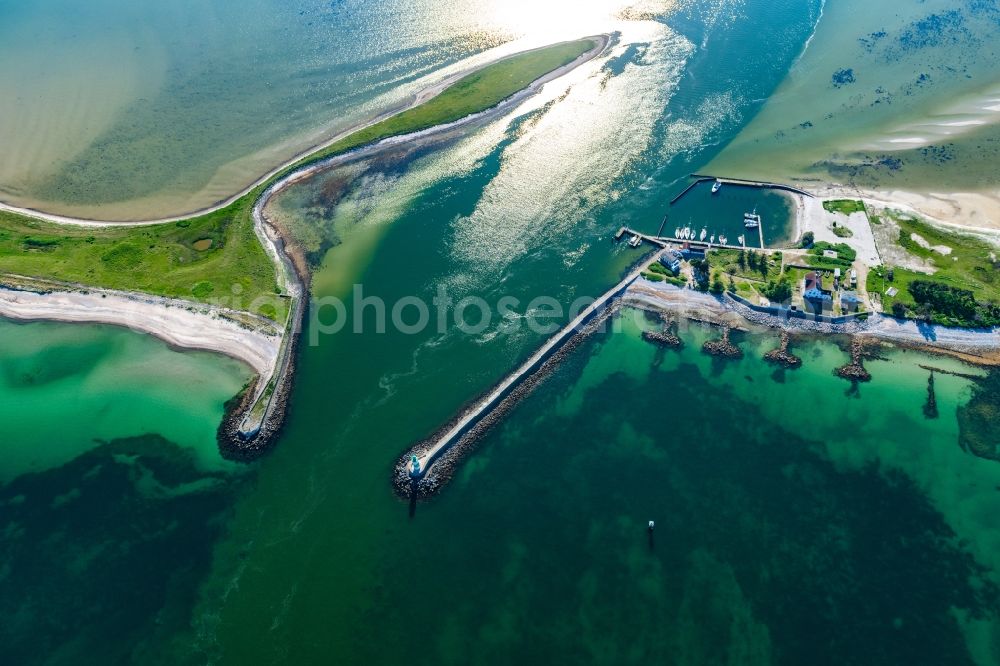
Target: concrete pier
<point>746,183</point>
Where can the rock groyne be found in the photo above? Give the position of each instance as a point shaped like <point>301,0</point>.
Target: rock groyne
<point>855,370</point>
<point>781,356</point>
<point>722,347</point>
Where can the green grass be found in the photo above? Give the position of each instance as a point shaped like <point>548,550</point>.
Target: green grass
<point>158,259</point>
<point>473,93</point>
<point>234,269</point>
<point>971,266</point>
<point>845,255</point>
<point>751,268</point>
<point>843,232</point>
<point>845,206</point>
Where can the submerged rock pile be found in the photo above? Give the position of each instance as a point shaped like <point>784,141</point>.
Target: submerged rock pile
<point>930,407</point>
<point>662,338</point>
<point>722,347</point>
<point>855,370</point>
<point>782,356</point>
<point>667,337</point>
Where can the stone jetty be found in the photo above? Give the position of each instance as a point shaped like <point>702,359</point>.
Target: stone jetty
<point>722,347</point>
<point>781,356</point>
<point>855,370</point>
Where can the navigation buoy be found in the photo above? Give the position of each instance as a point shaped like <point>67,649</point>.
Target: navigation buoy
<point>651,525</point>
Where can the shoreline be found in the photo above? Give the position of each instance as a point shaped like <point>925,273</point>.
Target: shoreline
<point>977,346</point>
<point>414,100</point>
<point>181,324</point>
<point>970,212</point>
<point>255,416</point>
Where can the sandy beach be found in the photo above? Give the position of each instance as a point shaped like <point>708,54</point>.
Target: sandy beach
<point>972,211</point>
<point>254,340</point>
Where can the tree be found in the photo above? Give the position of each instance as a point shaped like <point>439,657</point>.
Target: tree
<point>898,310</point>
<point>808,238</point>
<point>717,286</point>
<point>778,292</point>
<point>741,259</point>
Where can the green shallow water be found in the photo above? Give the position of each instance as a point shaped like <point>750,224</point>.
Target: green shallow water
<point>64,388</point>
<point>796,517</point>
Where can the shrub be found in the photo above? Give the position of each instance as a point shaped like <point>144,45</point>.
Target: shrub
<point>778,292</point>
<point>203,289</point>
<point>807,240</point>
<point>717,285</point>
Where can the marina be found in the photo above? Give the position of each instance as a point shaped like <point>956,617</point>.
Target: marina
<point>720,212</point>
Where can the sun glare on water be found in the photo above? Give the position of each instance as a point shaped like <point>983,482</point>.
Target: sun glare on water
<point>554,20</point>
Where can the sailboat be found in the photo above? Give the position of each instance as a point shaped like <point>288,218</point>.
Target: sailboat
<point>704,232</point>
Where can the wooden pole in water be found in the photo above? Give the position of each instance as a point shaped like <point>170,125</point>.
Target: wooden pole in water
<point>659,234</point>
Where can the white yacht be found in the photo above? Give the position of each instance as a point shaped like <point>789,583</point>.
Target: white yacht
<point>716,186</point>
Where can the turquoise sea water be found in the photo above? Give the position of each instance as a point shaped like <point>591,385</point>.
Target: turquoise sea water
<point>889,95</point>
<point>140,110</point>
<point>800,519</point>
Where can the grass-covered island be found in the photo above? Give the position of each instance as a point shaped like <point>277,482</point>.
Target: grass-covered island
<point>229,257</point>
